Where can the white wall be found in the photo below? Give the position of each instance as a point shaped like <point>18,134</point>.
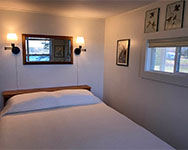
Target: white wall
<point>159,107</point>
<point>90,64</point>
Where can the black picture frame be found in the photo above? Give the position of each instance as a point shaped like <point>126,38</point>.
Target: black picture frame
<point>170,20</point>
<point>151,23</point>
<point>122,53</point>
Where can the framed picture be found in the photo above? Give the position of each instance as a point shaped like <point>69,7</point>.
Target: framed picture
<point>59,51</point>
<point>174,15</point>
<point>151,20</point>
<point>122,56</point>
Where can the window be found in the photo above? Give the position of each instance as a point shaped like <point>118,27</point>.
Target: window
<point>168,56</point>
<point>47,49</point>
<point>183,60</point>
<point>163,59</point>
<point>166,60</point>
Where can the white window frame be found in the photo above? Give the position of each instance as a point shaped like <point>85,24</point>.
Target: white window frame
<point>176,78</point>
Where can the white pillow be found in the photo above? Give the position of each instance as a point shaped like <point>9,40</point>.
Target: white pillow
<point>43,100</point>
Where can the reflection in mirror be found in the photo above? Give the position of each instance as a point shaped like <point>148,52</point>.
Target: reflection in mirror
<point>44,49</point>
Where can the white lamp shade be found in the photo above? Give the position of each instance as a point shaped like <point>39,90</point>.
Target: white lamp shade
<point>80,41</point>
<point>12,37</point>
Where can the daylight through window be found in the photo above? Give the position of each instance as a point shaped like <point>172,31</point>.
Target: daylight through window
<point>168,55</point>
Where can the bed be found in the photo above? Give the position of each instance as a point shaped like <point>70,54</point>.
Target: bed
<point>68,118</point>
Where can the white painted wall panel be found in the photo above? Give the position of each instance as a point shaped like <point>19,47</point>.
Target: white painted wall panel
<point>159,107</point>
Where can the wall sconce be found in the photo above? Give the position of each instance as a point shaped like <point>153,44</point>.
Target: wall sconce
<point>12,37</point>
<point>80,42</point>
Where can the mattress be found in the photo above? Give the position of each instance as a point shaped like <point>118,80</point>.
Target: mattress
<point>94,126</point>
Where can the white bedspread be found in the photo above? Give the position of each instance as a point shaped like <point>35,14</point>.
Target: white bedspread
<point>94,126</point>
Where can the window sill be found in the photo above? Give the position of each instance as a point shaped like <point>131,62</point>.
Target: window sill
<point>179,79</point>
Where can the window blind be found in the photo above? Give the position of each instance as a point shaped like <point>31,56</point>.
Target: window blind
<point>170,42</point>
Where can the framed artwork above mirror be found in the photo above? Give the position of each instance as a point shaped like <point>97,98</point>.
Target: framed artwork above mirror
<point>47,49</point>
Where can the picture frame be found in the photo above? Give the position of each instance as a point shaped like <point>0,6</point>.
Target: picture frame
<point>59,51</point>
<point>174,15</point>
<point>122,54</point>
<point>151,20</point>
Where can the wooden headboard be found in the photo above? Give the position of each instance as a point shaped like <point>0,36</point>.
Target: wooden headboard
<point>9,94</point>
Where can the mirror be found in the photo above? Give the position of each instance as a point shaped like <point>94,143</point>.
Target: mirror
<point>47,49</point>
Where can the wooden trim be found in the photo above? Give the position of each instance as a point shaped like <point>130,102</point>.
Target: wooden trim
<point>8,94</point>
<point>48,36</point>
<point>24,49</point>
<point>45,63</point>
<point>45,36</point>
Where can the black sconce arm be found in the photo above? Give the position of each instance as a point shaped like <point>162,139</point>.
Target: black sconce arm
<point>77,51</point>
<point>15,49</point>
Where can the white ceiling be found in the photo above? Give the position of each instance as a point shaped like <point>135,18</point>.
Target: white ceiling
<point>74,8</point>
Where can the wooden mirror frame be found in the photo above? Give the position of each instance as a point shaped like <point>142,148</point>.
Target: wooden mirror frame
<point>24,36</point>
